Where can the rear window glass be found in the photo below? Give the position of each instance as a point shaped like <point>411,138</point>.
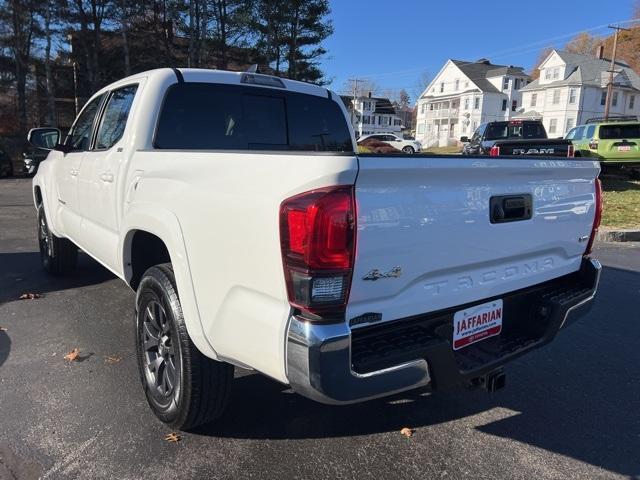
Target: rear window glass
<point>230,117</point>
<point>619,131</point>
<point>510,130</point>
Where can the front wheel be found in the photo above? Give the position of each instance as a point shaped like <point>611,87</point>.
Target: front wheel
<point>183,387</point>
<point>409,150</point>
<point>59,256</point>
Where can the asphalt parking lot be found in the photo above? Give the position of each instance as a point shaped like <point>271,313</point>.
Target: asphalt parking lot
<point>570,410</point>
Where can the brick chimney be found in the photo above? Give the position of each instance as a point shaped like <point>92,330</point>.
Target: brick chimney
<point>600,52</point>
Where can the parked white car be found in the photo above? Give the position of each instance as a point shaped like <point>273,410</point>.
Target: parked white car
<point>406,146</point>
<point>255,236</point>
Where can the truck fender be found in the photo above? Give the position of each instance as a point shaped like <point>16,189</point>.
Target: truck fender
<point>165,225</point>
<point>49,209</point>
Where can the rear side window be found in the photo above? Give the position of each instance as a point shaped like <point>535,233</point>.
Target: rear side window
<point>609,132</point>
<point>590,131</point>
<point>205,116</point>
<point>115,117</point>
<point>579,133</point>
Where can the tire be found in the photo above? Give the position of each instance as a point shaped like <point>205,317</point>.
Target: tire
<point>59,256</point>
<point>408,150</point>
<point>184,388</point>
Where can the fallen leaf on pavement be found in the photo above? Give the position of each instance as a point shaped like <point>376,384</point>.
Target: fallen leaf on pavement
<point>406,431</point>
<point>29,296</point>
<point>172,437</point>
<point>72,355</point>
<point>112,359</point>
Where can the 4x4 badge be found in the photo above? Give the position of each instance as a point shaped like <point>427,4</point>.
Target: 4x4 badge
<point>376,274</point>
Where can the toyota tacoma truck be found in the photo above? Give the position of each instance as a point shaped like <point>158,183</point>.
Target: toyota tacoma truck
<point>515,137</point>
<point>253,235</point>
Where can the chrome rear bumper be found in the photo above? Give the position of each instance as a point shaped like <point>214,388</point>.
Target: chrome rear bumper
<point>320,364</point>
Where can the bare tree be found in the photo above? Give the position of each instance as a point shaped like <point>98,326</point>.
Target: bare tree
<point>583,43</point>
<point>20,27</point>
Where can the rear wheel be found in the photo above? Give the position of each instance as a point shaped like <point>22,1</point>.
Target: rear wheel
<point>408,150</point>
<point>183,387</point>
<point>58,255</point>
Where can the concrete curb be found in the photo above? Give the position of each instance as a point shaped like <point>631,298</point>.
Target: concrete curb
<point>606,235</point>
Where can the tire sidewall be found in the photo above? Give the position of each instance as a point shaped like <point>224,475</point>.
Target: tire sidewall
<point>46,257</point>
<point>408,150</point>
<point>154,286</point>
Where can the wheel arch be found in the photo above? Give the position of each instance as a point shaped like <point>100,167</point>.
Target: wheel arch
<point>151,236</point>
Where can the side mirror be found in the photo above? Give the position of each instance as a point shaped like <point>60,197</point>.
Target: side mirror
<point>45,138</point>
<point>464,139</point>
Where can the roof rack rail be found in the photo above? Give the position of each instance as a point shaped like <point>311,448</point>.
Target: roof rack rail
<point>613,118</point>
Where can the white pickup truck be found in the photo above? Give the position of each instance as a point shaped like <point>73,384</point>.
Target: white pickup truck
<point>237,209</point>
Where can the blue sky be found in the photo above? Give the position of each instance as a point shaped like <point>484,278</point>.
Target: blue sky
<point>393,42</point>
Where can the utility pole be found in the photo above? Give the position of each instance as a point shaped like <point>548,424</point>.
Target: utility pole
<point>354,91</point>
<point>354,94</point>
<point>612,70</point>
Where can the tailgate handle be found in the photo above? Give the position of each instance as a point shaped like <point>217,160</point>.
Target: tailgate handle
<point>511,208</point>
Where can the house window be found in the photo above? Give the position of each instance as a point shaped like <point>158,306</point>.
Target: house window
<point>396,122</point>
<point>553,125</point>
<point>504,104</point>
<point>366,119</point>
<point>476,103</point>
<point>466,84</point>
<point>516,84</point>
<point>422,107</point>
<point>547,74</point>
<point>632,102</point>
<point>505,83</point>
<point>572,95</point>
<point>570,124</point>
<point>431,106</point>
<point>556,96</point>
<point>603,98</point>
<point>457,84</point>
<point>614,99</point>
<point>466,104</point>
<point>441,87</point>
<point>534,99</point>
<point>514,105</point>
<point>556,73</point>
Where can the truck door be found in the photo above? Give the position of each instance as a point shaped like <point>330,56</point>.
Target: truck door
<point>68,168</point>
<point>99,177</point>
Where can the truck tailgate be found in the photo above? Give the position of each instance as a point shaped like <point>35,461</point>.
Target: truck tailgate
<point>425,239</point>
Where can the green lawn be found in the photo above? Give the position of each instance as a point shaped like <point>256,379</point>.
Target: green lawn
<point>443,150</point>
<point>621,202</point>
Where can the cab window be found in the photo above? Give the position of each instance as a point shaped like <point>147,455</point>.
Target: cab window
<point>115,117</point>
<point>79,138</point>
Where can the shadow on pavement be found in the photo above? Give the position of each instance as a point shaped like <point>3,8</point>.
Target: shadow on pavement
<point>578,397</point>
<point>22,272</point>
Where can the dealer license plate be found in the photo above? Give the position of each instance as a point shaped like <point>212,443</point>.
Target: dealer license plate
<point>477,323</point>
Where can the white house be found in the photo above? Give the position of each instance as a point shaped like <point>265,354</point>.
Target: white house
<point>465,94</point>
<point>572,88</point>
<point>373,115</point>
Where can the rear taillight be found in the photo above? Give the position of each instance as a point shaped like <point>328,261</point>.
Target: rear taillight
<point>495,151</point>
<point>317,238</point>
<point>593,144</point>
<point>597,217</point>
<point>571,152</point>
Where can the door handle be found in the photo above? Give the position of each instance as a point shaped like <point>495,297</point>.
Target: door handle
<point>107,177</point>
<point>73,172</point>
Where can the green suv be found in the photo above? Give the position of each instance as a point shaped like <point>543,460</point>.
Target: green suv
<point>615,142</point>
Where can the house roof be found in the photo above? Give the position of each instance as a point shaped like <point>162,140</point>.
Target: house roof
<point>479,71</point>
<point>586,70</point>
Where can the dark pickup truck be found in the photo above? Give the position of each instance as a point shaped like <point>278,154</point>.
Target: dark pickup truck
<point>515,137</point>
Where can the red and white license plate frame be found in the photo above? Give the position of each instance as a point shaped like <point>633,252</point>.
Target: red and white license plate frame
<point>477,323</point>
